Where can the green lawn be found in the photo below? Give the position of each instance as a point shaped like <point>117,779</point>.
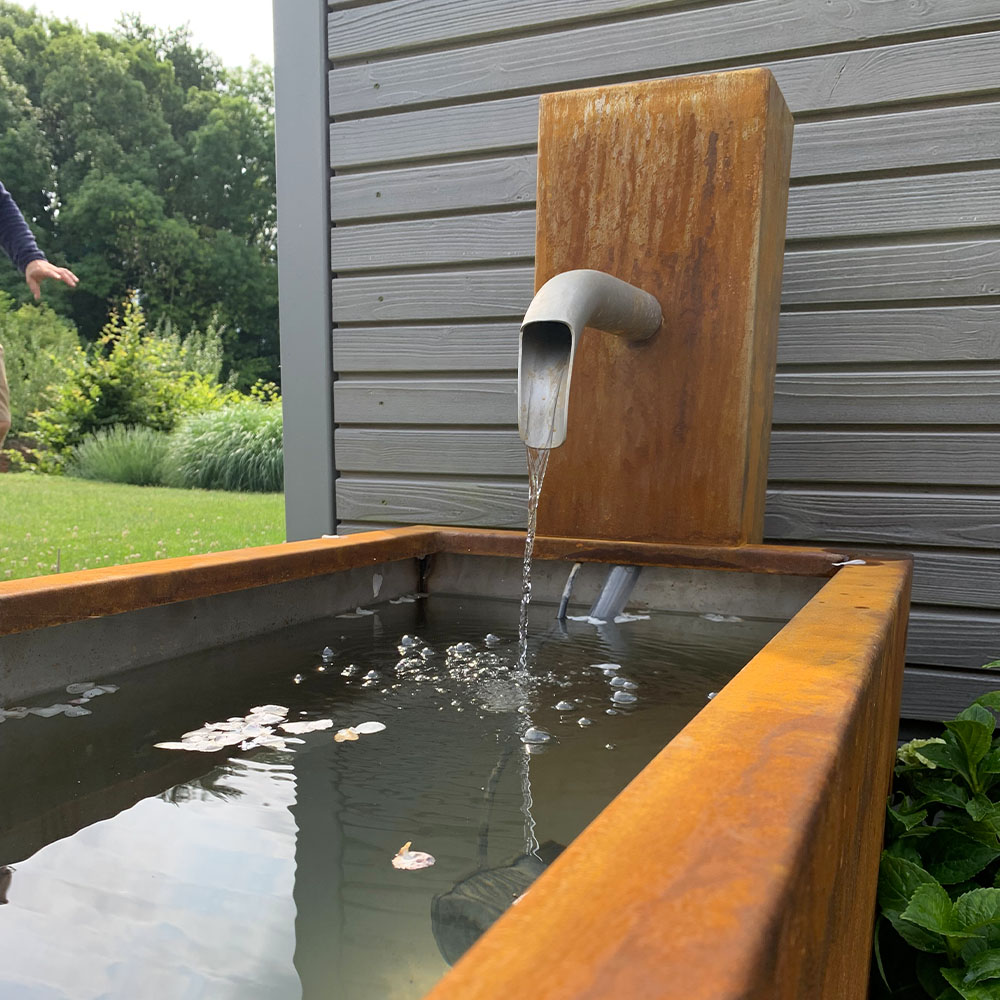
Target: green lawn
<point>50,521</point>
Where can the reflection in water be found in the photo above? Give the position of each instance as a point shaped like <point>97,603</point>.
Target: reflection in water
<point>150,875</point>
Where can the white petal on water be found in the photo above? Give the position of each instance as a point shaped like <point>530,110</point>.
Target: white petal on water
<point>366,728</point>
<point>404,600</point>
<point>850,562</point>
<point>587,619</point>
<point>75,711</point>
<point>623,619</point>
<point>94,692</point>
<point>79,687</point>
<point>78,701</point>
<point>173,745</point>
<point>307,727</point>
<point>50,711</point>
<point>265,718</point>
<point>606,666</point>
<point>18,712</point>
<point>253,729</point>
<point>109,688</point>
<point>721,618</point>
<point>274,709</point>
<point>533,735</point>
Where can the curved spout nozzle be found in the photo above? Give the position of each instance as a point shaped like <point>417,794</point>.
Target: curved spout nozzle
<point>558,314</point>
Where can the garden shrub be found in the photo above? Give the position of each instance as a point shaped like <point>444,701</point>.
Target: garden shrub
<point>37,343</point>
<point>121,454</point>
<point>938,928</point>
<point>132,376</point>
<point>235,448</point>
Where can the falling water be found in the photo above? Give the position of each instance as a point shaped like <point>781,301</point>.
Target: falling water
<point>538,461</point>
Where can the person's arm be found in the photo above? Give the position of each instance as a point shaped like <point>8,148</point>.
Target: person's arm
<point>19,244</point>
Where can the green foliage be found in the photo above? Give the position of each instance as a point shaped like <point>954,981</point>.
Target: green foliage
<point>121,454</point>
<point>143,164</point>
<point>36,344</point>
<point>938,930</point>
<point>236,448</point>
<point>131,376</point>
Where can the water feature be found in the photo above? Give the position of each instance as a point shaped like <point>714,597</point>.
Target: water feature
<point>144,873</point>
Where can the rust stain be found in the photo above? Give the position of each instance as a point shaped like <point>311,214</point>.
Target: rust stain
<point>669,184</point>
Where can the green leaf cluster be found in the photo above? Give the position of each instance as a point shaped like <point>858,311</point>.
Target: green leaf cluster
<point>132,376</point>
<point>143,164</point>
<point>938,929</point>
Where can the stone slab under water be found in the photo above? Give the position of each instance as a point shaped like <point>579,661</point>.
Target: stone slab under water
<point>150,874</point>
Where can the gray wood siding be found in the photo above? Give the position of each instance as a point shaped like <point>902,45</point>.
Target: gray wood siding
<point>887,406</point>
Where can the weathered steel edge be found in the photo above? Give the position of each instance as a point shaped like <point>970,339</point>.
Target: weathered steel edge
<point>55,600</point>
<point>742,862</point>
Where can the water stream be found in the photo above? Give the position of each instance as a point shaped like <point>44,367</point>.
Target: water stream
<point>538,462</point>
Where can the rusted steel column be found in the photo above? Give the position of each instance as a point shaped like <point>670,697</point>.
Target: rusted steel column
<point>680,187</point>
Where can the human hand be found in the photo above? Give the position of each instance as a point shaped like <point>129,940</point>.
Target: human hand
<point>38,270</point>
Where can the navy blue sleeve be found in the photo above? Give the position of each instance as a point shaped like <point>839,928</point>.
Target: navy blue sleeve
<point>15,236</point>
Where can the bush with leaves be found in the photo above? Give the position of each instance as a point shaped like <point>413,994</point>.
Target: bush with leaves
<point>938,929</point>
<point>133,376</point>
<point>238,447</point>
<point>121,454</point>
<point>36,344</point>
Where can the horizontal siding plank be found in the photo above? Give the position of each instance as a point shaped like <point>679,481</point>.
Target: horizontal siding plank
<point>949,458</point>
<point>475,504</point>
<point>888,398</point>
<point>400,24</point>
<point>942,694</point>
<point>872,518</point>
<point>670,42</point>
<point>909,140</point>
<point>452,295</point>
<point>948,333</point>
<point>896,205</point>
<point>481,184</point>
<point>853,275</point>
<point>964,579</point>
<point>945,458</point>
<point>483,346</point>
<point>923,137</point>
<point>426,401</point>
<point>951,639</point>
<point>892,273</point>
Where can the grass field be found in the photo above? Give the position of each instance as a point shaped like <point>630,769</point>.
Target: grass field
<point>54,523</point>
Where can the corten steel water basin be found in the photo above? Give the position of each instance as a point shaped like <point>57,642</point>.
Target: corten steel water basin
<point>741,862</point>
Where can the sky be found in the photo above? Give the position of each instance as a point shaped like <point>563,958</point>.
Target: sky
<point>234,30</point>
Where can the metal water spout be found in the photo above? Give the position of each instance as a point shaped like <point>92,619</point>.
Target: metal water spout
<point>558,314</point>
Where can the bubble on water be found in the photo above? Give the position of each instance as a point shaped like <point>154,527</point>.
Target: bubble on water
<point>623,682</point>
<point>564,706</point>
<point>349,671</point>
<point>461,649</point>
<point>427,652</point>
<point>491,639</point>
<point>611,711</point>
<point>610,746</point>
<point>372,675</point>
<point>522,709</point>
<point>298,679</point>
<point>327,653</point>
<point>584,721</point>
<point>321,668</point>
<point>533,735</point>
<point>408,640</point>
<point>606,666</point>
<point>712,694</point>
<point>623,697</point>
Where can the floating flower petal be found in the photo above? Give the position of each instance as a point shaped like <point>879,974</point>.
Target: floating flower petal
<point>307,727</point>
<point>408,860</point>
<point>345,735</point>
<point>367,728</point>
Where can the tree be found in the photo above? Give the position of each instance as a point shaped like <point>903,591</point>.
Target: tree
<point>145,165</point>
